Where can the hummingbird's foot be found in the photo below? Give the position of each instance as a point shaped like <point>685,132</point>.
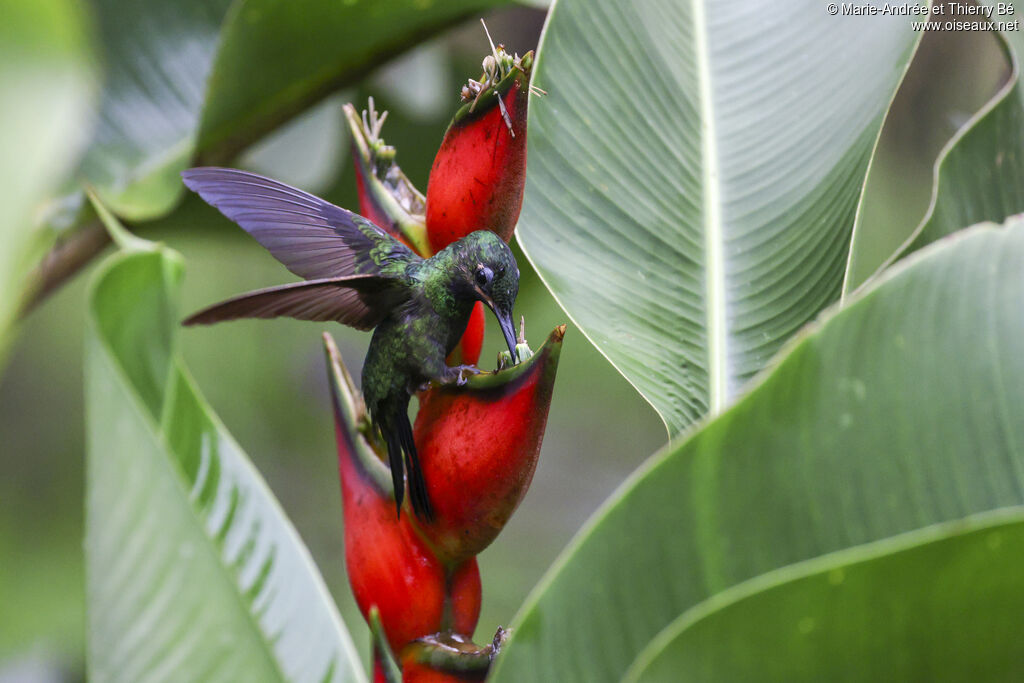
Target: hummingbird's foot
<point>460,374</point>
<point>465,372</point>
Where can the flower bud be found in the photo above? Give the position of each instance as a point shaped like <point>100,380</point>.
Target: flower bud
<point>523,350</point>
<point>478,176</point>
<point>386,196</point>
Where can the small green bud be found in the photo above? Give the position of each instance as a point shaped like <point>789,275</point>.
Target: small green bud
<point>523,349</point>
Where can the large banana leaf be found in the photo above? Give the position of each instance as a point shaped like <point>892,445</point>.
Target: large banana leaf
<point>901,410</point>
<point>943,604</point>
<point>46,85</point>
<point>193,571</point>
<point>979,174</point>
<point>694,174</point>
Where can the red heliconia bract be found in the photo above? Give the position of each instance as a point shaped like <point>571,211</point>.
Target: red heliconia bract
<point>479,173</point>
<point>464,595</point>
<point>478,446</point>
<point>386,196</point>
<point>472,342</point>
<point>418,672</point>
<point>390,567</point>
<point>368,208</point>
<point>478,176</point>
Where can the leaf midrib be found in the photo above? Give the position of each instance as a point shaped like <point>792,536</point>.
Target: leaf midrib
<point>714,266</point>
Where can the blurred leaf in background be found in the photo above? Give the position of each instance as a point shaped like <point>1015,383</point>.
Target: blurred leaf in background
<point>946,156</point>
<point>157,56</point>
<point>46,86</point>
<point>303,53</point>
<point>195,77</point>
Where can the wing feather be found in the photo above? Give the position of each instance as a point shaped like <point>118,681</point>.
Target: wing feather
<point>313,238</point>
<point>360,301</point>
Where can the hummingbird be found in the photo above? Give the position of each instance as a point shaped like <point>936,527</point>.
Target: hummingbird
<point>359,275</point>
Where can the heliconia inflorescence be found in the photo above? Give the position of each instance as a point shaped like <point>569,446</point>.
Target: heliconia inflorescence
<point>417,583</point>
<point>479,172</point>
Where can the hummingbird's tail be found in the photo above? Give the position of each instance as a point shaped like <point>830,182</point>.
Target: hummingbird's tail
<point>403,458</point>
<point>417,483</point>
<point>397,470</point>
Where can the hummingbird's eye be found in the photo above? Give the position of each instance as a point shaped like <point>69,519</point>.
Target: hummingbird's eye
<point>484,275</point>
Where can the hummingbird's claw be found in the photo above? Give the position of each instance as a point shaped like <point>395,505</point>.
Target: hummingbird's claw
<point>460,374</point>
<point>465,372</point>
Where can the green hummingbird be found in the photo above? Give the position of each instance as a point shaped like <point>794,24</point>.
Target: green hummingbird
<point>360,276</point>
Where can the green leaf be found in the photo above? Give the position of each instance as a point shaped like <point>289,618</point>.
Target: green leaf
<point>193,571</point>
<point>979,174</point>
<point>158,56</point>
<point>940,604</point>
<point>46,86</point>
<point>694,174</point>
<point>901,410</point>
<point>201,78</point>
<point>301,53</point>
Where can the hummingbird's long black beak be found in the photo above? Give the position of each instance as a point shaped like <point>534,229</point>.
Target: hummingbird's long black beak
<point>505,322</point>
<point>507,329</point>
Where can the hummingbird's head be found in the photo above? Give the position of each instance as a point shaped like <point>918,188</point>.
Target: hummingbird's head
<point>488,272</point>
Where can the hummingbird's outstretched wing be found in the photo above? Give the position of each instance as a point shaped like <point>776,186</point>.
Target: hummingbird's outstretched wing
<point>311,237</point>
<point>360,301</point>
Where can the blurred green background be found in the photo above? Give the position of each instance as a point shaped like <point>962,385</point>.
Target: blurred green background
<point>267,382</point>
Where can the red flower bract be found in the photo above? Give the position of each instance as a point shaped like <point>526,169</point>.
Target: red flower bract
<point>479,445</point>
<point>418,672</point>
<point>386,195</point>
<point>478,176</point>
<point>368,207</point>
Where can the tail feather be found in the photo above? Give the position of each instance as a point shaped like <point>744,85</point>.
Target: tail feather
<point>397,471</point>
<point>417,483</point>
<point>405,464</point>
